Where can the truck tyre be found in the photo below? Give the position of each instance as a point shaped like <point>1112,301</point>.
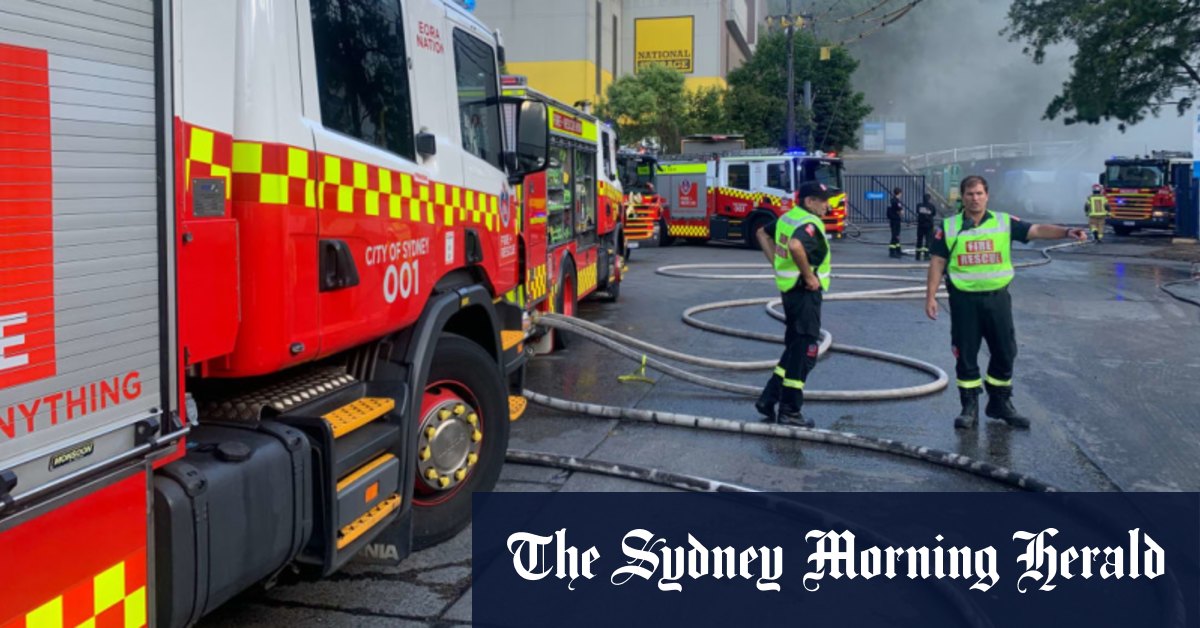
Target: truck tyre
<point>612,286</point>
<point>756,222</point>
<point>663,238</point>
<point>461,440</point>
<point>566,301</point>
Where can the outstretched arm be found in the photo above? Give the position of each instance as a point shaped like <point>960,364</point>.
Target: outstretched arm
<point>1056,232</point>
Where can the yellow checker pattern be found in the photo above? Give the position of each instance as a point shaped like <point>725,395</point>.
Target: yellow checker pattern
<point>758,198</point>
<point>278,174</point>
<point>537,282</point>
<point>108,599</point>
<point>687,231</point>
<point>207,156</point>
<point>587,279</point>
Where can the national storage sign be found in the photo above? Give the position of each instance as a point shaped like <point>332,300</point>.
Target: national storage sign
<point>665,40</point>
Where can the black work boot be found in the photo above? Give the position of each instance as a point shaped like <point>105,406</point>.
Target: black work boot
<point>789,415</point>
<point>999,406</point>
<point>969,397</point>
<point>770,395</point>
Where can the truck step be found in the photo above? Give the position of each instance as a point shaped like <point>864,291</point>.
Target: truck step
<point>273,397</point>
<point>365,488</point>
<point>357,413</point>
<point>369,520</point>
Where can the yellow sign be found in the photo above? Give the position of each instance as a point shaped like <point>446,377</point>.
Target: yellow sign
<point>664,40</point>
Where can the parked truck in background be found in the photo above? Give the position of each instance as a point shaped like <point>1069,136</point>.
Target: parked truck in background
<point>730,195</point>
<point>250,294</point>
<point>571,239</point>
<point>1141,190</point>
<point>643,204</point>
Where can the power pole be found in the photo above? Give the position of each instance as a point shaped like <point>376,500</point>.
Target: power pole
<point>791,80</point>
<point>808,106</point>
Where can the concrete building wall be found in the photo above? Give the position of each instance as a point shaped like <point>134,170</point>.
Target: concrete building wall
<point>573,49</point>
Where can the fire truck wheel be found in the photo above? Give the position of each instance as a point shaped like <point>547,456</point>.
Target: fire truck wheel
<point>461,440</point>
<point>663,238</point>
<point>567,302</point>
<point>756,223</point>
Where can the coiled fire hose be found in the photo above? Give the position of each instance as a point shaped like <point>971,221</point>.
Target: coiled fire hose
<point>638,349</point>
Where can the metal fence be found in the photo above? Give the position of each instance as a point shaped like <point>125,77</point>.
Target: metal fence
<point>1062,149</point>
<point>868,195</point>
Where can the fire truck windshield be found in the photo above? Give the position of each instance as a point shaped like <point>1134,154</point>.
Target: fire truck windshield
<point>822,171</point>
<point>1135,175</point>
<point>637,174</point>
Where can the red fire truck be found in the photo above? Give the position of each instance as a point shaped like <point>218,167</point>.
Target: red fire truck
<point>1141,190</point>
<point>250,294</point>
<point>729,196</point>
<point>643,204</point>
<point>570,215</point>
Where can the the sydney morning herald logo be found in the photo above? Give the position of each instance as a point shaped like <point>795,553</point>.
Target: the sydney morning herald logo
<point>647,557</point>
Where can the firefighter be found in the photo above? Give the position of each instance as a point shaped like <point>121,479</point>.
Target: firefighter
<point>973,249</point>
<point>895,214</point>
<point>797,248</point>
<point>925,215</point>
<point>1097,211</point>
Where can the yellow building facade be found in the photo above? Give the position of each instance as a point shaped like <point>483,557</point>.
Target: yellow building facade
<point>572,50</point>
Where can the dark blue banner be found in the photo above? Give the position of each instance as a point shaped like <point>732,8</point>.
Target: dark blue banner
<point>826,559</point>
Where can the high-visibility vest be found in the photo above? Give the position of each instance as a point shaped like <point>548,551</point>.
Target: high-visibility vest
<point>1097,205</point>
<point>787,273</point>
<point>980,258</point>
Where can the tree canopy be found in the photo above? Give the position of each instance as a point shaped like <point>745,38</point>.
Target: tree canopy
<point>1131,59</point>
<point>654,103</point>
<point>757,100</point>
<point>650,104</point>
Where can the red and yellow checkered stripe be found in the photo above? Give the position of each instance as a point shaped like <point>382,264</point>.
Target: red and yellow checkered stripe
<point>113,598</point>
<point>278,174</point>
<point>758,198</point>
<point>537,282</point>
<point>587,279</point>
<point>683,230</point>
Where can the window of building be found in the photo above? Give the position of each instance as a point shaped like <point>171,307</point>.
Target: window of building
<point>362,72</point>
<point>615,48</point>
<point>739,176</point>
<point>599,47</point>
<point>478,97</point>
<point>777,177</point>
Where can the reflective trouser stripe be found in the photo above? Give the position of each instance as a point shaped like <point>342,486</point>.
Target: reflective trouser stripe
<point>779,370</point>
<point>793,383</point>
<point>970,383</point>
<point>999,382</point>
<point>967,277</point>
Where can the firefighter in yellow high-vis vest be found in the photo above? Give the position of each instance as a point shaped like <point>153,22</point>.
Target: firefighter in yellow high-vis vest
<point>973,250</point>
<point>798,250</point>
<point>1097,212</point>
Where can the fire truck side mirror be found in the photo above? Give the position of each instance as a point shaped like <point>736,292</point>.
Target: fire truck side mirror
<point>533,141</point>
<point>1103,178</point>
<point>426,144</point>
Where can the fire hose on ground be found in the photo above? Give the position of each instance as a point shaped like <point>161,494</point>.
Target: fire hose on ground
<point>641,350</point>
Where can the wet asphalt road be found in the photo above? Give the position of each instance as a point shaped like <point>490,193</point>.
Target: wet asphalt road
<point>1107,370</point>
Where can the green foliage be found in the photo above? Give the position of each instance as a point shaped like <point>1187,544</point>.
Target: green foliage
<point>649,104</point>
<point>1132,58</point>
<point>705,111</point>
<point>757,101</point>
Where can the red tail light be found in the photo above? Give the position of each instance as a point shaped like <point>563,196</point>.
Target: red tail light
<point>1165,197</point>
